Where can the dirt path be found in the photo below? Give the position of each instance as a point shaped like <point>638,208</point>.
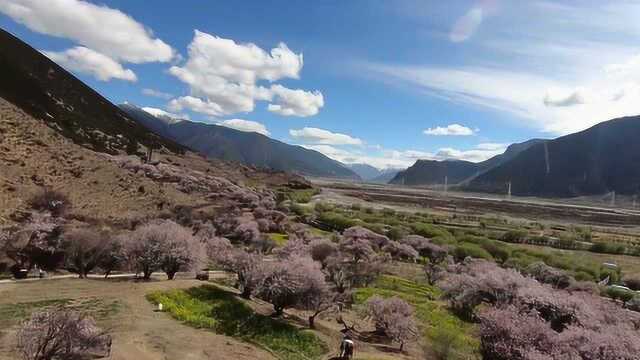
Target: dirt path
<point>138,331</point>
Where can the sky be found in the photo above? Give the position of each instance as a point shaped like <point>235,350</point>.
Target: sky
<point>377,82</point>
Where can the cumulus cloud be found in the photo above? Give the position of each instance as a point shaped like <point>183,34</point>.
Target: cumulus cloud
<point>165,114</point>
<point>298,102</point>
<point>84,60</point>
<point>195,104</point>
<point>156,93</point>
<point>450,130</point>
<point>106,30</point>
<point>245,125</point>
<point>321,136</point>
<point>224,76</point>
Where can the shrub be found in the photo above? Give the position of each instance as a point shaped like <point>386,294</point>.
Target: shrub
<point>430,231</point>
<point>49,200</point>
<point>61,334</point>
<point>515,236</point>
<point>470,250</point>
<point>632,282</point>
<point>608,248</point>
<point>336,221</point>
<point>548,275</point>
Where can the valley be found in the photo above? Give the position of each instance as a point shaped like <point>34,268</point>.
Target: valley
<point>181,231</point>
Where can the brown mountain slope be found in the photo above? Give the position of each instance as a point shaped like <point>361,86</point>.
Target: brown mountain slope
<point>46,91</point>
<point>108,188</point>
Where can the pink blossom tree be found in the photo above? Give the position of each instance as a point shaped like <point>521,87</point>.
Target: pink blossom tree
<point>392,317</point>
<point>248,268</point>
<point>161,245</point>
<point>292,283</point>
<point>61,334</point>
<point>321,249</point>
<point>400,251</point>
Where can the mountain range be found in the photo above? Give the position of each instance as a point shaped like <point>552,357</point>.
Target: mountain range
<point>249,148</point>
<point>372,174</point>
<point>598,160</point>
<point>433,172</point>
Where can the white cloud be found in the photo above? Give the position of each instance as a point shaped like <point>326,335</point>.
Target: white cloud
<point>321,136</point>
<point>473,155</point>
<point>106,30</point>
<point>450,130</point>
<point>165,114</point>
<point>87,61</point>
<point>195,104</point>
<point>245,125</point>
<point>223,75</point>
<point>295,102</point>
<point>492,146</point>
<point>156,93</point>
<point>388,158</point>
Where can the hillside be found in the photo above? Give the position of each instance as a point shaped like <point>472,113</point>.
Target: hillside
<point>248,148</point>
<point>46,91</point>
<point>432,172</point>
<point>601,159</point>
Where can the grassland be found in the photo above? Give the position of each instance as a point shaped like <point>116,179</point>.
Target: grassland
<point>444,335</point>
<point>209,307</point>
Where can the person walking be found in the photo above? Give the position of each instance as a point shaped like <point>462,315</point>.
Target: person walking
<point>346,348</point>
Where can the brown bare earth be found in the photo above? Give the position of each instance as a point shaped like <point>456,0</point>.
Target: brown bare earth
<point>558,211</point>
<point>138,331</point>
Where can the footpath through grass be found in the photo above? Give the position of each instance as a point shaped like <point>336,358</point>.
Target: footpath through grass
<point>210,307</point>
<point>446,335</point>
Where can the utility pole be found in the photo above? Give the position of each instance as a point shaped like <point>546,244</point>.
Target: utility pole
<point>446,183</point>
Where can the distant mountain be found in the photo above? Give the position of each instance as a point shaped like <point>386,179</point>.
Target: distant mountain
<point>433,172</point>
<point>365,171</point>
<point>372,174</point>
<point>385,177</point>
<point>601,159</point>
<point>245,147</point>
<point>46,91</point>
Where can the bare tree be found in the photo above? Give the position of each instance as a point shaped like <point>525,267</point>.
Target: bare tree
<point>62,334</point>
<point>84,249</point>
<point>114,256</point>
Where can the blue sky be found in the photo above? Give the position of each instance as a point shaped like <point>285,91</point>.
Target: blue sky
<point>380,82</point>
